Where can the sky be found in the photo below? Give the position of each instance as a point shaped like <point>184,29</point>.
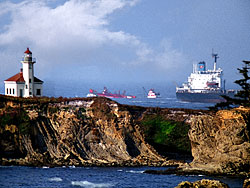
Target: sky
<point>123,41</point>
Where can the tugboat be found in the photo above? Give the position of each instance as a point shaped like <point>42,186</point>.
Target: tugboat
<point>152,94</point>
<point>204,85</point>
<point>106,93</point>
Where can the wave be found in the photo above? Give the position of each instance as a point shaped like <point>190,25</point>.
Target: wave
<point>199,175</point>
<point>133,171</point>
<point>57,179</point>
<point>90,185</point>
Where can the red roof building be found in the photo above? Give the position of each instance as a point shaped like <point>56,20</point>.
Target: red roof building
<point>24,83</point>
<point>17,78</point>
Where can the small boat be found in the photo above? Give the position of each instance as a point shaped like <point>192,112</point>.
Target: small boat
<point>106,93</point>
<point>152,94</point>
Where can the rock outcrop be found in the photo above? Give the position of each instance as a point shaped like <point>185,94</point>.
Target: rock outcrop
<point>202,183</point>
<point>99,131</point>
<point>221,143</point>
<point>92,131</point>
<point>246,183</point>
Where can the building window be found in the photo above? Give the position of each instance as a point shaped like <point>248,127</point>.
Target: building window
<point>30,93</point>
<point>38,92</point>
<point>26,86</point>
<point>10,91</point>
<point>13,91</point>
<point>30,80</point>
<point>7,91</point>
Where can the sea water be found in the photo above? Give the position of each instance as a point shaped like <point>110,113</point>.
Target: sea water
<point>167,97</point>
<point>96,177</point>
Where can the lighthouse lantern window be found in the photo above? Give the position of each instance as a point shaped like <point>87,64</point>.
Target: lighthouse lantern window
<point>30,66</point>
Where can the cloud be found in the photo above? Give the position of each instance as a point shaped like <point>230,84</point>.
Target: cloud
<point>76,33</point>
<point>82,21</point>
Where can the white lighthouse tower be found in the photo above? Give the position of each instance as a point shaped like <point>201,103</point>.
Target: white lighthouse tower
<point>28,73</point>
<point>24,83</point>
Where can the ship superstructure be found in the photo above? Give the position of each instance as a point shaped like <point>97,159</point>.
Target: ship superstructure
<point>203,85</point>
<point>202,80</point>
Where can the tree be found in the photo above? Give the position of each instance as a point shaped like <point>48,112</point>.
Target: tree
<point>242,97</point>
<point>244,94</point>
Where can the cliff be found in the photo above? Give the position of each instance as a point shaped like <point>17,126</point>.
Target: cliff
<point>99,131</point>
<point>80,132</point>
<point>220,145</point>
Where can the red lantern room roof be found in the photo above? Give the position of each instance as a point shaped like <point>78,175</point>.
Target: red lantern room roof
<point>28,51</point>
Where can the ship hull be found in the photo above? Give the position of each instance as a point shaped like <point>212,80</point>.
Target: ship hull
<point>202,97</point>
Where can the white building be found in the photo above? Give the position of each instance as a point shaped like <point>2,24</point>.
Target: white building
<point>24,83</point>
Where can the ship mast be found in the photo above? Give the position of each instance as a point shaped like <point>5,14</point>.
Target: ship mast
<point>215,56</point>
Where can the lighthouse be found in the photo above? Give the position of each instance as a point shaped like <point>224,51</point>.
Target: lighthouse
<point>28,73</point>
<point>24,83</point>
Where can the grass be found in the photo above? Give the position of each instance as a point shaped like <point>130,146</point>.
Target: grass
<point>170,134</point>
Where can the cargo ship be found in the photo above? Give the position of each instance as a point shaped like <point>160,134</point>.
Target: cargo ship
<point>106,93</point>
<point>204,85</point>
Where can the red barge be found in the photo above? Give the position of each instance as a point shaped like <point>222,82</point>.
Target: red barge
<point>106,93</point>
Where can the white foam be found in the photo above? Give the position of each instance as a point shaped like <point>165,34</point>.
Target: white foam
<point>57,179</point>
<point>119,170</point>
<point>91,185</point>
<point>133,171</point>
<point>45,167</point>
<point>199,175</point>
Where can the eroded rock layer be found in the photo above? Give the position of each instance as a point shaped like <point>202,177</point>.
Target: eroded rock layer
<point>99,131</point>
<point>220,143</point>
<point>93,131</point>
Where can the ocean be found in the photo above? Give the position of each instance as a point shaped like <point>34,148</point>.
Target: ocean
<point>95,177</point>
<point>167,97</point>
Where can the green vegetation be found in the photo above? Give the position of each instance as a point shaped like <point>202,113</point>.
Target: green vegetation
<point>171,136</point>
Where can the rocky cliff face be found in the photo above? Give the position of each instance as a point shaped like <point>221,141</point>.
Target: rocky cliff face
<point>94,131</point>
<point>221,143</point>
<point>99,131</point>
<point>91,132</point>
